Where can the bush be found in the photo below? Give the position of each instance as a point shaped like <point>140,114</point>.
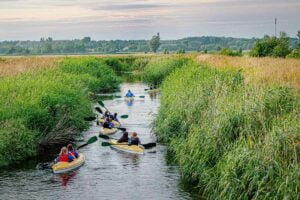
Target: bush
<point>271,46</point>
<point>229,52</point>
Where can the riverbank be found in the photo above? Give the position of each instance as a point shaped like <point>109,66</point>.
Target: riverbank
<point>235,139</point>
<point>46,106</point>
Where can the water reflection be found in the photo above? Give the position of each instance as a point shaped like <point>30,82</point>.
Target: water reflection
<point>65,178</point>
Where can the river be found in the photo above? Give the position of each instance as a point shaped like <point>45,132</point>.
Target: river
<point>107,174</point>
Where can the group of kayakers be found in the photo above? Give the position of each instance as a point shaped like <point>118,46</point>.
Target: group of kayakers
<point>67,154</point>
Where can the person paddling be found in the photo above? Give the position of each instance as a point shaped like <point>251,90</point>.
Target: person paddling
<point>72,151</point>
<point>129,94</point>
<point>108,123</point>
<point>115,117</point>
<point>134,139</point>
<point>64,156</point>
<point>124,138</point>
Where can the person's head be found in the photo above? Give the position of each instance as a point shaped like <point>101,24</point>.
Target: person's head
<point>63,151</point>
<point>107,119</point>
<point>70,147</point>
<point>110,119</point>
<point>125,134</point>
<point>134,134</point>
<point>129,91</point>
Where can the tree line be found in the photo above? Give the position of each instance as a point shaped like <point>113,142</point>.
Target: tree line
<point>86,45</point>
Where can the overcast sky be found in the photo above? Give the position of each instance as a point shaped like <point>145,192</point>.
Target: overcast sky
<point>140,19</point>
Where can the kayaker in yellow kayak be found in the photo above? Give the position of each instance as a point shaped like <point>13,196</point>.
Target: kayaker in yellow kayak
<point>134,139</point>
<point>124,138</point>
<point>64,156</point>
<point>108,123</point>
<point>72,151</point>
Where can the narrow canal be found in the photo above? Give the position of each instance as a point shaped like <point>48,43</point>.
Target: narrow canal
<point>107,174</point>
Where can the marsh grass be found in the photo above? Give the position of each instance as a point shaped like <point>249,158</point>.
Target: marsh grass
<point>47,106</point>
<point>236,140</point>
<point>266,70</point>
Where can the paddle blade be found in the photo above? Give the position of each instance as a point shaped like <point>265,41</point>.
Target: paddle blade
<point>149,145</point>
<point>92,140</point>
<point>118,96</point>
<point>105,144</point>
<point>146,89</point>
<point>124,116</point>
<point>99,110</point>
<point>89,119</point>
<point>142,96</point>
<point>122,129</point>
<point>101,103</point>
<point>104,136</point>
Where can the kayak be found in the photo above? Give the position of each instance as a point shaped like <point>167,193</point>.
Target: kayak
<point>129,98</point>
<point>153,91</point>
<point>124,147</point>
<point>107,131</point>
<point>63,167</point>
<point>115,123</point>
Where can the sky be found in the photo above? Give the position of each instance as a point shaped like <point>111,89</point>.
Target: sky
<point>140,19</point>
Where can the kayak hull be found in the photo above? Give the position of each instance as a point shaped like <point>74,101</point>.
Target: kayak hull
<point>133,149</point>
<point>107,131</point>
<point>115,123</point>
<point>63,167</point>
<point>129,98</point>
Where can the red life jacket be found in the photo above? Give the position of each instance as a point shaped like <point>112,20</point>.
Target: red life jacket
<point>63,158</point>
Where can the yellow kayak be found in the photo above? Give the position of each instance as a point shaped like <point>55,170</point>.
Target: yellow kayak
<point>63,167</point>
<point>134,149</point>
<point>115,123</point>
<point>129,98</point>
<point>107,131</point>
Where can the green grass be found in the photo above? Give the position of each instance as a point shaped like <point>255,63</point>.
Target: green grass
<point>158,68</point>
<point>236,140</point>
<point>41,108</point>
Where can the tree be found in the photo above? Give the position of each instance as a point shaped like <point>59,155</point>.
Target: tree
<point>86,40</point>
<point>155,43</point>
<point>298,34</point>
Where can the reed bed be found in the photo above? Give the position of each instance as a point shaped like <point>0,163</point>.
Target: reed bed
<point>11,66</point>
<point>234,140</point>
<point>266,70</point>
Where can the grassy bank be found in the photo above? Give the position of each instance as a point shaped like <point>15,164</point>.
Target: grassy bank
<point>47,106</point>
<point>236,140</point>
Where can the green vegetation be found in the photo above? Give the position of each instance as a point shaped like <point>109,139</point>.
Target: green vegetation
<point>155,43</point>
<point>229,52</point>
<point>47,107</point>
<point>159,68</point>
<point>276,47</point>
<point>89,46</point>
<point>236,140</point>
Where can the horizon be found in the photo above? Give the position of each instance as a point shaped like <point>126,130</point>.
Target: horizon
<point>139,20</point>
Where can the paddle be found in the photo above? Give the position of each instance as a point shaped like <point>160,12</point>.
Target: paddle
<point>146,146</point>
<point>146,89</point>
<point>49,164</point>
<point>89,119</point>
<point>125,96</point>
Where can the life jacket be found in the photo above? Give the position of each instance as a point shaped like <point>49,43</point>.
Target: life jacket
<point>134,142</point>
<point>73,153</point>
<point>63,158</point>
